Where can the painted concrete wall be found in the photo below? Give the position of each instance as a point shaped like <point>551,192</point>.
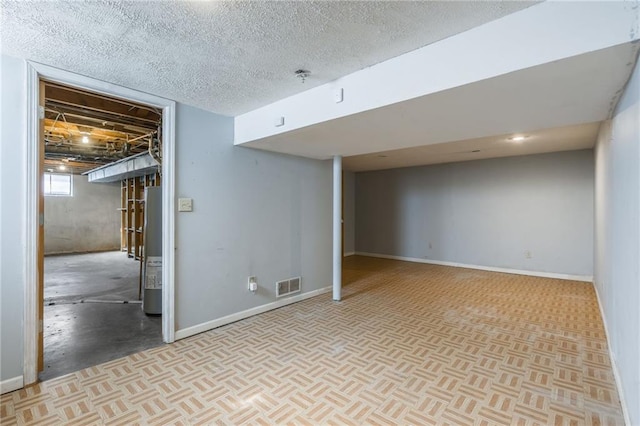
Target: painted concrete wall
<point>349,212</point>
<point>12,154</point>
<point>87,221</point>
<point>255,213</point>
<point>531,213</point>
<point>617,239</point>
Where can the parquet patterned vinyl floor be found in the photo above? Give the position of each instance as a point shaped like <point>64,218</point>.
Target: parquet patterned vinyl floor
<point>409,344</point>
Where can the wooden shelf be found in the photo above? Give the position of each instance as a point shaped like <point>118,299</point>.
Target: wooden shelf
<point>132,213</point>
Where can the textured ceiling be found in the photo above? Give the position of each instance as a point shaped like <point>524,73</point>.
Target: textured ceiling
<point>229,57</point>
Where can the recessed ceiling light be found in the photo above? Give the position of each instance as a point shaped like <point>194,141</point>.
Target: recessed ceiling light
<point>61,167</point>
<point>517,138</point>
<point>85,139</point>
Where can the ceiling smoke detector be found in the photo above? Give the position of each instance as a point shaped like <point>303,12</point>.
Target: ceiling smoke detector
<point>302,74</point>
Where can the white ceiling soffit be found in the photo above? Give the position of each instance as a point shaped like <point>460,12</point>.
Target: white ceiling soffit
<point>582,136</point>
<point>230,57</point>
<point>552,65</point>
<point>572,91</point>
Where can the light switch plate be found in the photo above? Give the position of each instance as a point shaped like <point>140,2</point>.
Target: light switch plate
<point>185,204</point>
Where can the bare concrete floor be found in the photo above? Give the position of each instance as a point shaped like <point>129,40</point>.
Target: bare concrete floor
<point>85,321</point>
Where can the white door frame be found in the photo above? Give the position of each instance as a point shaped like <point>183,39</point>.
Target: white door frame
<point>35,72</point>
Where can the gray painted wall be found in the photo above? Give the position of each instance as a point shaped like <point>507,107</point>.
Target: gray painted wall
<point>486,212</point>
<point>13,188</point>
<point>349,211</point>
<point>255,213</point>
<point>617,239</point>
<point>87,221</point>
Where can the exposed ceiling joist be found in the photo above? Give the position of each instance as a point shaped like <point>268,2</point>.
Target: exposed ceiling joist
<point>95,102</point>
<point>85,130</point>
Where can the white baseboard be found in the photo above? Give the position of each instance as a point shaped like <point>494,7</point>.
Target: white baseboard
<point>614,366</point>
<point>585,278</point>
<point>11,385</point>
<point>209,325</point>
<point>349,253</point>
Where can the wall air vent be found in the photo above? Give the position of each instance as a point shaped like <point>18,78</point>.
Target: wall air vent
<point>294,285</point>
<point>287,287</point>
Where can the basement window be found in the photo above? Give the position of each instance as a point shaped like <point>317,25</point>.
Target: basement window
<point>57,184</point>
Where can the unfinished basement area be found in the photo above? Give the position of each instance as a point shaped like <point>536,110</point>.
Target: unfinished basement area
<point>102,289</point>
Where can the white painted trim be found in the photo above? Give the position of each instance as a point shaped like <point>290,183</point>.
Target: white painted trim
<point>585,278</point>
<point>209,325</point>
<point>30,226</point>
<point>349,253</point>
<point>69,78</point>
<point>35,72</point>
<point>168,221</point>
<point>10,385</point>
<point>614,366</point>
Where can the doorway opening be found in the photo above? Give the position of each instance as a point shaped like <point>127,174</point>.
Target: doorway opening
<point>94,224</point>
<point>72,137</point>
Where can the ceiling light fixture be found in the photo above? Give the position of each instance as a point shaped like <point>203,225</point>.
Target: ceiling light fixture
<point>85,139</point>
<point>302,74</point>
<point>61,167</point>
<point>517,138</point>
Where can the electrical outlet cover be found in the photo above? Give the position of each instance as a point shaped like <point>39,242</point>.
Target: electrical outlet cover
<point>338,95</point>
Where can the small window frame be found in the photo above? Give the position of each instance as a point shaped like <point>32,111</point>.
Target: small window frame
<point>46,189</point>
